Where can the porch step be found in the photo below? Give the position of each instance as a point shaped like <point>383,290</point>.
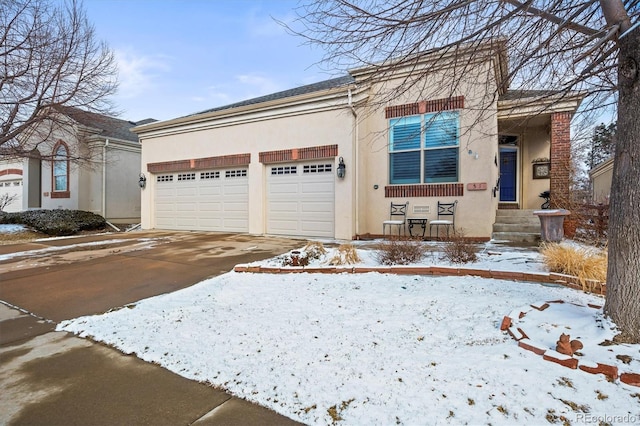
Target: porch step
<point>516,226</point>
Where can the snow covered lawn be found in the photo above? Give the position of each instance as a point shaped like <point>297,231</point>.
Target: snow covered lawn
<point>380,349</point>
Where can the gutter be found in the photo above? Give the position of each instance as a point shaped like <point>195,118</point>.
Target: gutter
<point>104,178</point>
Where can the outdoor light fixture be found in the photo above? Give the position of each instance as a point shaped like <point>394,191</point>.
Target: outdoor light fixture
<point>342,169</point>
<point>142,181</point>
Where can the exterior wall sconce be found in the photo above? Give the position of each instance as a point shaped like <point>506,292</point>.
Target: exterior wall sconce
<point>342,169</point>
<point>142,182</point>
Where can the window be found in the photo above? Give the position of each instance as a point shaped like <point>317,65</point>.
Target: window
<point>284,170</point>
<point>60,168</point>
<point>235,173</point>
<point>424,148</point>
<point>164,178</point>
<point>317,168</point>
<point>186,176</point>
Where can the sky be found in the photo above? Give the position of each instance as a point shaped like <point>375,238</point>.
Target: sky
<point>177,58</point>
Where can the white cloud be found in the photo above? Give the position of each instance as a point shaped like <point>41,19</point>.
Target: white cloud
<point>257,85</point>
<point>138,73</point>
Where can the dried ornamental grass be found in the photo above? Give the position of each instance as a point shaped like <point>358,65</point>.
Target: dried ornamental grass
<point>586,263</point>
<point>314,249</point>
<point>400,251</point>
<point>346,255</point>
<point>460,250</point>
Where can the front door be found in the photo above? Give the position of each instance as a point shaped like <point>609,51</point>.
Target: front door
<point>508,174</point>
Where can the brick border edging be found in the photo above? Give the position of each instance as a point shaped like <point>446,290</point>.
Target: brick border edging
<point>537,277</point>
<point>520,336</point>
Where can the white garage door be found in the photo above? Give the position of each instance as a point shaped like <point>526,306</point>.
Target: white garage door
<point>300,199</point>
<point>212,200</point>
<point>11,189</point>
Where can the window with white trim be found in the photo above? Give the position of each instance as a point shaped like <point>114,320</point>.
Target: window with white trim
<point>424,148</point>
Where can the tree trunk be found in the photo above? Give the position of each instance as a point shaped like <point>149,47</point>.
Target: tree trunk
<point>623,275</point>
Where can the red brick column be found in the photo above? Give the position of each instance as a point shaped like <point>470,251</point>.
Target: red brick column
<point>560,158</point>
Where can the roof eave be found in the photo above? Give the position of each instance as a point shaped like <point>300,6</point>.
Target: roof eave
<point>245,109</point>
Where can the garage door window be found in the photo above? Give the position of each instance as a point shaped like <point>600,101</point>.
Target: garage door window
<point>318,168</point>
<point>284,170</point>
<point>235,173</point>
<point>209,175</point>
<point>164,178</point>
<point>186,176</point>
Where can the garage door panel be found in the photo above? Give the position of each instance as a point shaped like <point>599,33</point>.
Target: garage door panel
<point>210,191</point>
<point>206,201</point>
<point>301,204</point>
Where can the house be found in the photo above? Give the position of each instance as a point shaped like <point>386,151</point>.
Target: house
<point>105,182</point>
<point>270,165</point>
<point>601,177</point>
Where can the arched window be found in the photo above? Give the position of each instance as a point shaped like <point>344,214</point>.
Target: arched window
<point>60,169</point>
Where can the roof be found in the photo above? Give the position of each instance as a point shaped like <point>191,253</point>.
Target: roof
<point>302,90</point>
<point>513,95</point>
<point>109,127</point>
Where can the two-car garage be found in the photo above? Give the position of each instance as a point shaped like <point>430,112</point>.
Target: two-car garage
<point>299,200</point>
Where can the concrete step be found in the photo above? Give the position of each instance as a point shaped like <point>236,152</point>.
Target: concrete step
<point>516,213</point>
<point>519,219</point>
<point>516,237</point>
<point>517,227</point>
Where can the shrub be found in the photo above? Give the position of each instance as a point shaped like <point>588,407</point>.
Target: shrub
<point>346,254</point>
<point>458,249</point>
<point>314,250</point>
<point>400,251</point>
<point>585,263</point>
<point>295,258</point>
<point>56,222</point>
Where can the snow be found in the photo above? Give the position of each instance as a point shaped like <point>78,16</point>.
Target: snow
<point>11,228</point>
<point>382,349</point>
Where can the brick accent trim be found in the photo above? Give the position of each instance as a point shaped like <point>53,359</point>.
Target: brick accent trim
<point>298,154</point>
<point>560,158</point>
<point>200,163</point>
<point>60,194</point>
<point>424,107</point>
<point>426,190</point>
<point>10,172</point>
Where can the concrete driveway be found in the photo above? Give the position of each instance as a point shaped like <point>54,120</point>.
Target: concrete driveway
<point>52,378</point>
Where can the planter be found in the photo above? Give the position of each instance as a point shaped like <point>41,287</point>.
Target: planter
<point>552,224</point>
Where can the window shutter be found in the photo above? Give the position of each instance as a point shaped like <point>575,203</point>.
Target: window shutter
<point>405,133</point>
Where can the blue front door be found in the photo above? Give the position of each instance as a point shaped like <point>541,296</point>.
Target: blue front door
<point>508,169</point>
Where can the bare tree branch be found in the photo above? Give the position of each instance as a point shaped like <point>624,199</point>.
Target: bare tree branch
<point>49,58</point>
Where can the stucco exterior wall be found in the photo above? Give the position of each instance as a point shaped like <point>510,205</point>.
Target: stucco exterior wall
<point>535,145</point>
<point>475,212</point>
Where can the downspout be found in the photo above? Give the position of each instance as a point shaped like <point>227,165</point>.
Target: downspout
<point>356,163</point>
<point>104,178</point>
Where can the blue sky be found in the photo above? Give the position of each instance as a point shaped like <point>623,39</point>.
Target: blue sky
<point>179,57</point>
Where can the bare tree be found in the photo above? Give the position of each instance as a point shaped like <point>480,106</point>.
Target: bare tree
<point>586,46</point>
<point>49,60</point>
<point>6,199</point>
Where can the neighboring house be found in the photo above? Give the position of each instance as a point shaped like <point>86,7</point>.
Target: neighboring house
<point>268,165</point>
<point>106,184</point>
<point>601,177</point>
<point>11,184</point>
